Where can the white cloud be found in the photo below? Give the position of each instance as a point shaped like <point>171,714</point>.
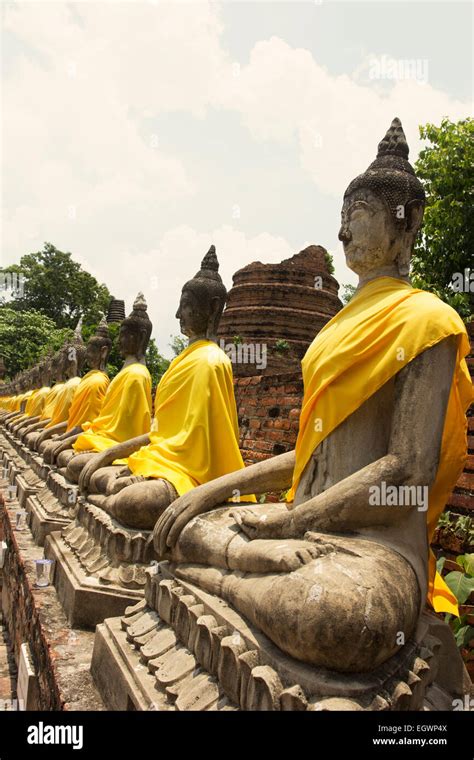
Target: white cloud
<point>85,83</point>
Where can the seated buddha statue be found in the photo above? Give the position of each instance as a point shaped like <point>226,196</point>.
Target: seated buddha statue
<point>35,405</point>
<point>194,436</point>
<point>70,360</point>
<point>88,396</point>
<point>386,388</point>
<point>56,380</point>
<point>126,409</point>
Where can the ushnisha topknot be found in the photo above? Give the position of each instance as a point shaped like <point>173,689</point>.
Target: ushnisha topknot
<point>102,335</point>
<point>391,176</point>
<point>207,283</point>
<point>138,318</point>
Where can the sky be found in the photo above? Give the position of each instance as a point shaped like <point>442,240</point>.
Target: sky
<point>135,134</point>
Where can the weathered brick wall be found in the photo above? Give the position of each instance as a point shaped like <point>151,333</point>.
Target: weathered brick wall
<point>268,408</point>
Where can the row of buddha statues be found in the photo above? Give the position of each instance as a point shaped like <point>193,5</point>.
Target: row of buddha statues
<point>386,389</point>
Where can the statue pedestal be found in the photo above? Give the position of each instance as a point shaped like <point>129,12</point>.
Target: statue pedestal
<point>100,566</point>
<point>183,649</point>
<point>52,507</point>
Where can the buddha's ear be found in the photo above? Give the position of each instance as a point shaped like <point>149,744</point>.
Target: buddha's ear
<point>215,306</point>
<point>414,215</point>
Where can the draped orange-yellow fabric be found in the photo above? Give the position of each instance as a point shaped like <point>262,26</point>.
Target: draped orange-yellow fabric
<point>88,398</point>
<point>125,412</point>
<point>383,328</point>
<point>63,403</point>
<point>36,402</point>
<point>50,401</point>
<point>195,435</point>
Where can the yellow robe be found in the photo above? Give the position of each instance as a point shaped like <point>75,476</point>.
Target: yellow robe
<point>195,436</point>
<point>88,398</point>
<point>36,402</point>
<point>125,413</point>
<point>383,328</point>
<point>63,402</point>
<point>50,401</point>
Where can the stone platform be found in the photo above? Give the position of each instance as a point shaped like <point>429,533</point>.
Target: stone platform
<point>183,649</point>
<point>61,655</point>
<point>100,566</point>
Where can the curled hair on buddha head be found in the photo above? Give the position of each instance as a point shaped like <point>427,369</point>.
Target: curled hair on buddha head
<point>208,288</point>
<point>391,176</point>
<point>102,338</point>
<point>138,320</point>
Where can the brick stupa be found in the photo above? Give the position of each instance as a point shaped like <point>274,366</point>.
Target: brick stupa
<point>282,306</point>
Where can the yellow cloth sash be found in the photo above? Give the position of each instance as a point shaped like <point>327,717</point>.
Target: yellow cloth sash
<point>88,398</point>
<point>50,401</point>
<point>125,413</point>
<point>383,328</point>
<point>195,436</point>
<point>37,401</point>
<point>63,402</point>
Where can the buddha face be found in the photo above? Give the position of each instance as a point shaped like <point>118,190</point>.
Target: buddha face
<point>96,355</point>
<point>368,232</point>
<point>193,317</point>
<point>130,340</point>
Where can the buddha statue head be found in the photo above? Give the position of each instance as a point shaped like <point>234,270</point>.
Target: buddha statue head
<point>202,301</point>
<point>98,347</point>
<point>135,331</point>
<point>382,211</point>
<point>57,363</point>
<point>44,369</point>
<point>72,354</point>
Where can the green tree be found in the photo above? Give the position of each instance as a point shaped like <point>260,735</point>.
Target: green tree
<point>26,336</point>
<point>55,285</point>
<point>156,363</point>
<point>329,258</point>
<point>348,291</point>
<point>446,244</point>
<point>178,344</point>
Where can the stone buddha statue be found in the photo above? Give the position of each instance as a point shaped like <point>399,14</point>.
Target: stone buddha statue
<point>56,362</point>
<point>69,363</point>
<point>126,409</point>
<point>194,436</point>
<point>35,405</point>
<point>88,397</point>
<point>338,576</point>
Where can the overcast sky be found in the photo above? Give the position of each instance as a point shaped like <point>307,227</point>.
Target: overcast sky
<point>135,134</point>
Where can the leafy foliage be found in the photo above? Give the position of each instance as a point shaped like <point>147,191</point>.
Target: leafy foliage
<point>446,168</point>
<point>347,293</point>
<point>55,285</point>
<point>26,336</point>
<point>329,262</point>
<point>178,344</point>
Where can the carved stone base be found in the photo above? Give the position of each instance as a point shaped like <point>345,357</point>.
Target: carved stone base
<point>84,599</point>
<point>28,484</point>
<point>107,550</point>
<point>183,649</point>
<point>46,514</point>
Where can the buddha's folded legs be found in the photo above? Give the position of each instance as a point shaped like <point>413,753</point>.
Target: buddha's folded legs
<point>65,457</point>
<point>140,505</point>
<point>31,438</point>
<point>349,604</point>
<point>75,465</point>
<point>103,479</point>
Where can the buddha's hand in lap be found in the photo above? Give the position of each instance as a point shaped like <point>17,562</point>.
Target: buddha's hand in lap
<point>175,517</point>
<point>99,460</point>
<point>263,525</point>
